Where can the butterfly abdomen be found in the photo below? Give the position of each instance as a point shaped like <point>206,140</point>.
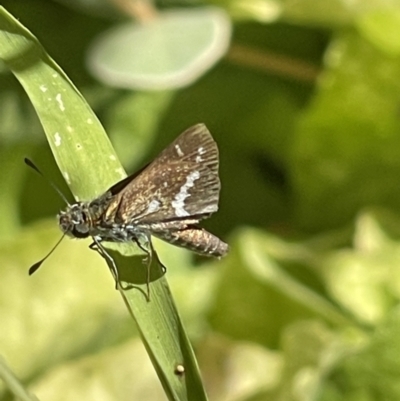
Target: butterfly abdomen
<point>200,241</point>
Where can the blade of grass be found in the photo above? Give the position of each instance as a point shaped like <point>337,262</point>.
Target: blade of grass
<point>15,386</point>
<point>89,165</point>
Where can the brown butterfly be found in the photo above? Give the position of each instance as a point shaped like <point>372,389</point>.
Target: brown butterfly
<point>166,199</point>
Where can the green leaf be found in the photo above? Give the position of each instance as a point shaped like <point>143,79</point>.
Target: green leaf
<point>365,280</point>
<point>373,372</point>
<point>252,278</point>
<point>346,152</point>
<point>382,28</point>
<point>171,51</point>
<point>317,13</point>
<point>312,351</point>
<point>259,10</point>
<point>70,125</point>
<point>89,165</point>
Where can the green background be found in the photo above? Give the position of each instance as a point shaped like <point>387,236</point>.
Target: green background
<point>305,108</point>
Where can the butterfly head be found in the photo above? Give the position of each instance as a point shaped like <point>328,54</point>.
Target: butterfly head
<point>75,221</point>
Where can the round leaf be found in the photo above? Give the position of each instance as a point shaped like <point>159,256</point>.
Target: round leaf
<point>170,51</point>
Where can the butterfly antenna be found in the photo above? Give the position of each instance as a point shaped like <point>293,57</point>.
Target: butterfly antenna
<point>32,165</point>
<point>36,266</point>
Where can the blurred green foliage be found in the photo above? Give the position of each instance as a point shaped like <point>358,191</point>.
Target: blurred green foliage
<point>305,108</point>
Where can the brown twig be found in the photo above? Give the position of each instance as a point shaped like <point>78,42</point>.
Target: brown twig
<point>142,10</point>
<point>273,63</point>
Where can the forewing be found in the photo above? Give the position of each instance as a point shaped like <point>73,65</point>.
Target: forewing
<point>195,145</point>
<point>182,181</point>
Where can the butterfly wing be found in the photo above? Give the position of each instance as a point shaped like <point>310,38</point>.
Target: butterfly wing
<point>181,182</point>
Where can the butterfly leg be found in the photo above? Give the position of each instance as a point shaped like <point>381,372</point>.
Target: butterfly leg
<point>148,259</point>
<point>148,249</point>
<point>96,246</point>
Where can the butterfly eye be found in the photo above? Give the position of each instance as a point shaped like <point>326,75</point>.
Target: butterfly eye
<point>80,222</point>
<point>65,223</point>
<point>74,222</point>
